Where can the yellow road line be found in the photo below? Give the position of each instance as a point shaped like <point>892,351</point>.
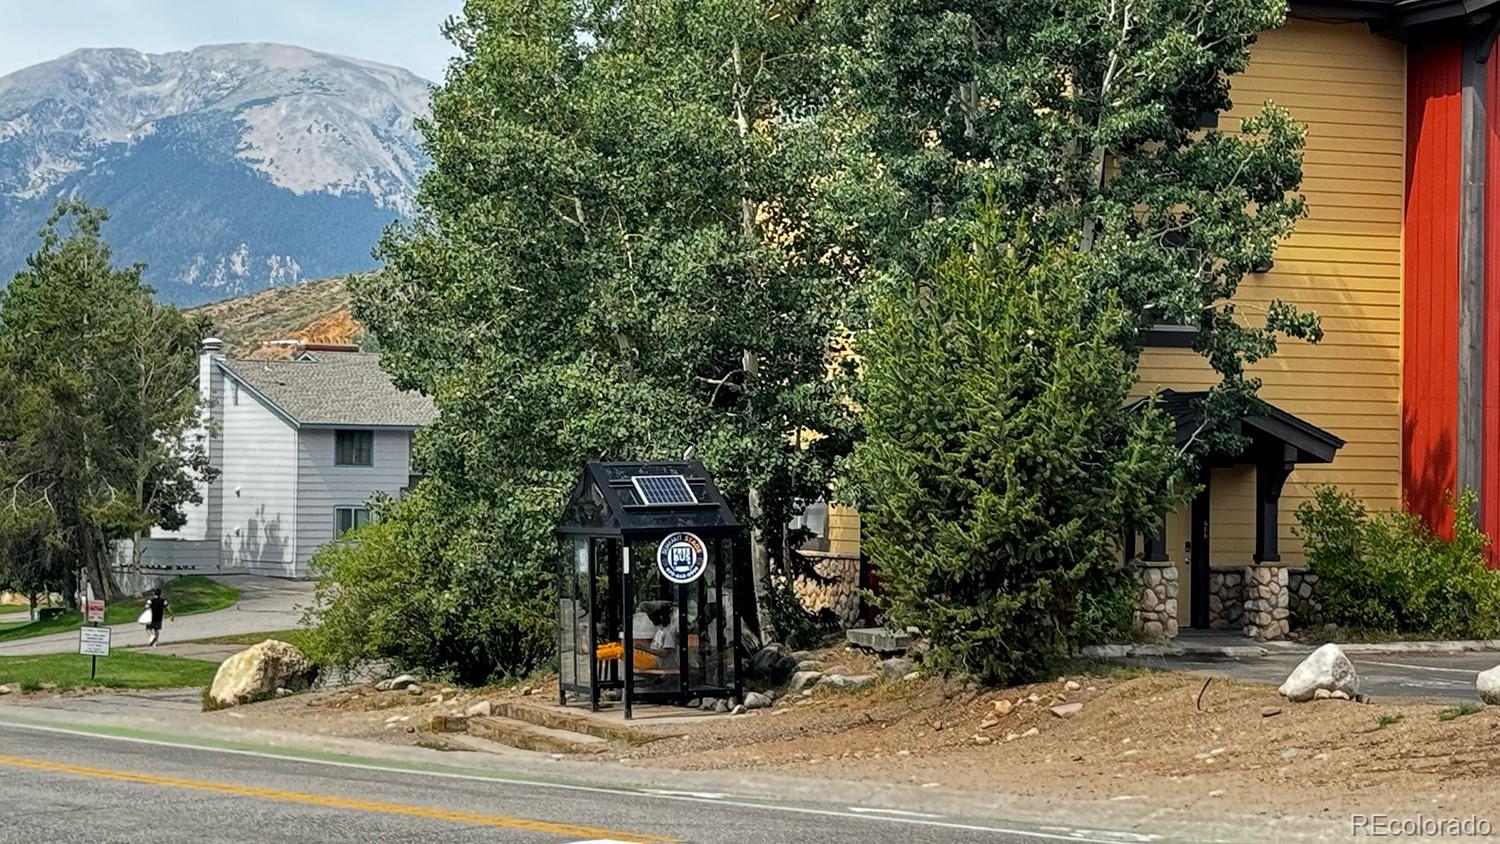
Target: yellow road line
<point>455,816</point>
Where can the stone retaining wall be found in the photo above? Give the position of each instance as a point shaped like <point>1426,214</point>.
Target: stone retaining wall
<point>1267,599</point>
<point>1226,599</point>
<point>839,594</point>
<point>1156,610</point>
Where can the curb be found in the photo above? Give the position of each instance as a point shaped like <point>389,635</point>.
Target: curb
<point>1175,651</point>
<point>1455,647</point>
<point>1172,651</point>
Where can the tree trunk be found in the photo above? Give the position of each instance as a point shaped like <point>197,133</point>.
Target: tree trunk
<point>96,564</point>
<point>760,568</point>
<point>760,552</point>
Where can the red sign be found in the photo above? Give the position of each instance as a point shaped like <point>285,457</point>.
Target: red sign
<point>93,611</point>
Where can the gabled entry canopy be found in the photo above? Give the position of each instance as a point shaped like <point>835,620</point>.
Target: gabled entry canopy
<point>1278,441</point>
<point>1303,441</point>
<point>632,498</point>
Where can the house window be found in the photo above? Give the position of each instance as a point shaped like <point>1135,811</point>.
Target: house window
<point>346,519</point>
<point>354,448</point>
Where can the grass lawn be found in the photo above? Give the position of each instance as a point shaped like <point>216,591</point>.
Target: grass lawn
<point>8,608</point>
<point>186,596</point>
<point>119,670</point>
<point>292,637</point>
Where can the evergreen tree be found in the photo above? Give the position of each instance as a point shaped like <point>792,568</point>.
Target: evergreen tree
<point>100,403</point>
<point>1001,461</point>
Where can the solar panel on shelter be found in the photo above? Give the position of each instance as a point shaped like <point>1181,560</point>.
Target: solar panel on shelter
<point>663,490</point>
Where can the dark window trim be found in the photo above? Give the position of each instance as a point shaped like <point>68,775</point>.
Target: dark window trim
<point>337,452</point>
<point>353,518</point>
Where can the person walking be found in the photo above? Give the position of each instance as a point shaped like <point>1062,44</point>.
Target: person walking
<point>157,606</point>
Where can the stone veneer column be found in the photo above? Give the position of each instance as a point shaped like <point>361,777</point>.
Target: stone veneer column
<point>1156,610</point>
<point>1267,601</point>
<point>1226,599</point>
<point>1302,593</point>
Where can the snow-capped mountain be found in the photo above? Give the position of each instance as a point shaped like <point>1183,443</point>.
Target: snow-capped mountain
<point>225,169</point>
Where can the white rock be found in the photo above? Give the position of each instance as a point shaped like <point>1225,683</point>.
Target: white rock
<point>258,671</point>
<point>756,700</point>
<point>481,709</point>
<point>395,683</point>
<point>1067,710</point>
<point>1072,686</point>
<point>1488,684</point>
<point>1328,669</point>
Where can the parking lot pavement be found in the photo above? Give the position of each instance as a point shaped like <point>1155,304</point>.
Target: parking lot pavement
<point>1438,678</point>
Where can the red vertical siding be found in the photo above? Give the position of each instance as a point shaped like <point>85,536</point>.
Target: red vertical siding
<point>1429,367</point>
<point>1489,489</point>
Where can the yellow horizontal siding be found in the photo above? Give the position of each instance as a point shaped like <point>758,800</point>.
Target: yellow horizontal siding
<point>843,531</point>
<point>1343,261</point>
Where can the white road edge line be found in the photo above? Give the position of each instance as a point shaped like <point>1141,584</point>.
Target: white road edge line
<point>902,812</point>
<point>745,804</point>
<point>1468,671</point>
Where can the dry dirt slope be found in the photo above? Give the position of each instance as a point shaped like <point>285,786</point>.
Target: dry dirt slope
<point>316,311</point>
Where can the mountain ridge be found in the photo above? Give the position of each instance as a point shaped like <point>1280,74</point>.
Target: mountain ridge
<point>226,168</point>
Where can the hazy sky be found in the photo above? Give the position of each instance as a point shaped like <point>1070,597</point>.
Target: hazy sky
<point>398,32</point>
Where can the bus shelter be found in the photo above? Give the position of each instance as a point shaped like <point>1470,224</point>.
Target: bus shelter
<point>646,586</point>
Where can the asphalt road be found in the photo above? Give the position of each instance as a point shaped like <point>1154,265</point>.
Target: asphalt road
<point>57,786</point>
<point>1438,678</point>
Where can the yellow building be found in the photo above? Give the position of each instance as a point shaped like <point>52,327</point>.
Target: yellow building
<point>1400,402</point>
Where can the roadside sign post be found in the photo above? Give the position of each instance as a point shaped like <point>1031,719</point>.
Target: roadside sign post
<point>93,642</point>
<point>93,611</point>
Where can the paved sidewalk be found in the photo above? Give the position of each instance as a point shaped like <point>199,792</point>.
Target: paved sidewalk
<point>266,603</point>
<point>1435,678</point>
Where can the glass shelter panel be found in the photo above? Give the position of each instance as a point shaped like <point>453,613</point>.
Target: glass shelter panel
<point>710,624</point>
<point>655,625</point>
<point>574,616</point>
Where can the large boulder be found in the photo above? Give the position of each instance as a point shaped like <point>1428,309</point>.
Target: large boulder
<point>1326,668</point>
<point>772,665</point>
<point>1488,684</point>
<point>258,671</point>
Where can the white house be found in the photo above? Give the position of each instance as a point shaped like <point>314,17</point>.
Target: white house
<point>301,446</point>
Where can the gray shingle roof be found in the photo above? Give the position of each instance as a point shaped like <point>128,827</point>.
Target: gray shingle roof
<point>333,388</point>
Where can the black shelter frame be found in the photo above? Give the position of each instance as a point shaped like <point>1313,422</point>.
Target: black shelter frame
<point>609,581</point>
<point>1277,443</point>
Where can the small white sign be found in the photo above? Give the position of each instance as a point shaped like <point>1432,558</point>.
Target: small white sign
<point>93,611</point>
<point>93,641</point>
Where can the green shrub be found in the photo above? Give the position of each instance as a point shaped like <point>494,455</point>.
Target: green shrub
<point>1389,572</point>
<point>436,584</point>
<point>1000,464</point>
<point>1451,713</point>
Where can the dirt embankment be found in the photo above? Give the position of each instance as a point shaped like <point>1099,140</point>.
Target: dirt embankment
<point>1143,738</point>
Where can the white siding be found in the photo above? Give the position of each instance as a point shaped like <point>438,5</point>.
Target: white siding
<point>323,486</point>
<point>258,486</point>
